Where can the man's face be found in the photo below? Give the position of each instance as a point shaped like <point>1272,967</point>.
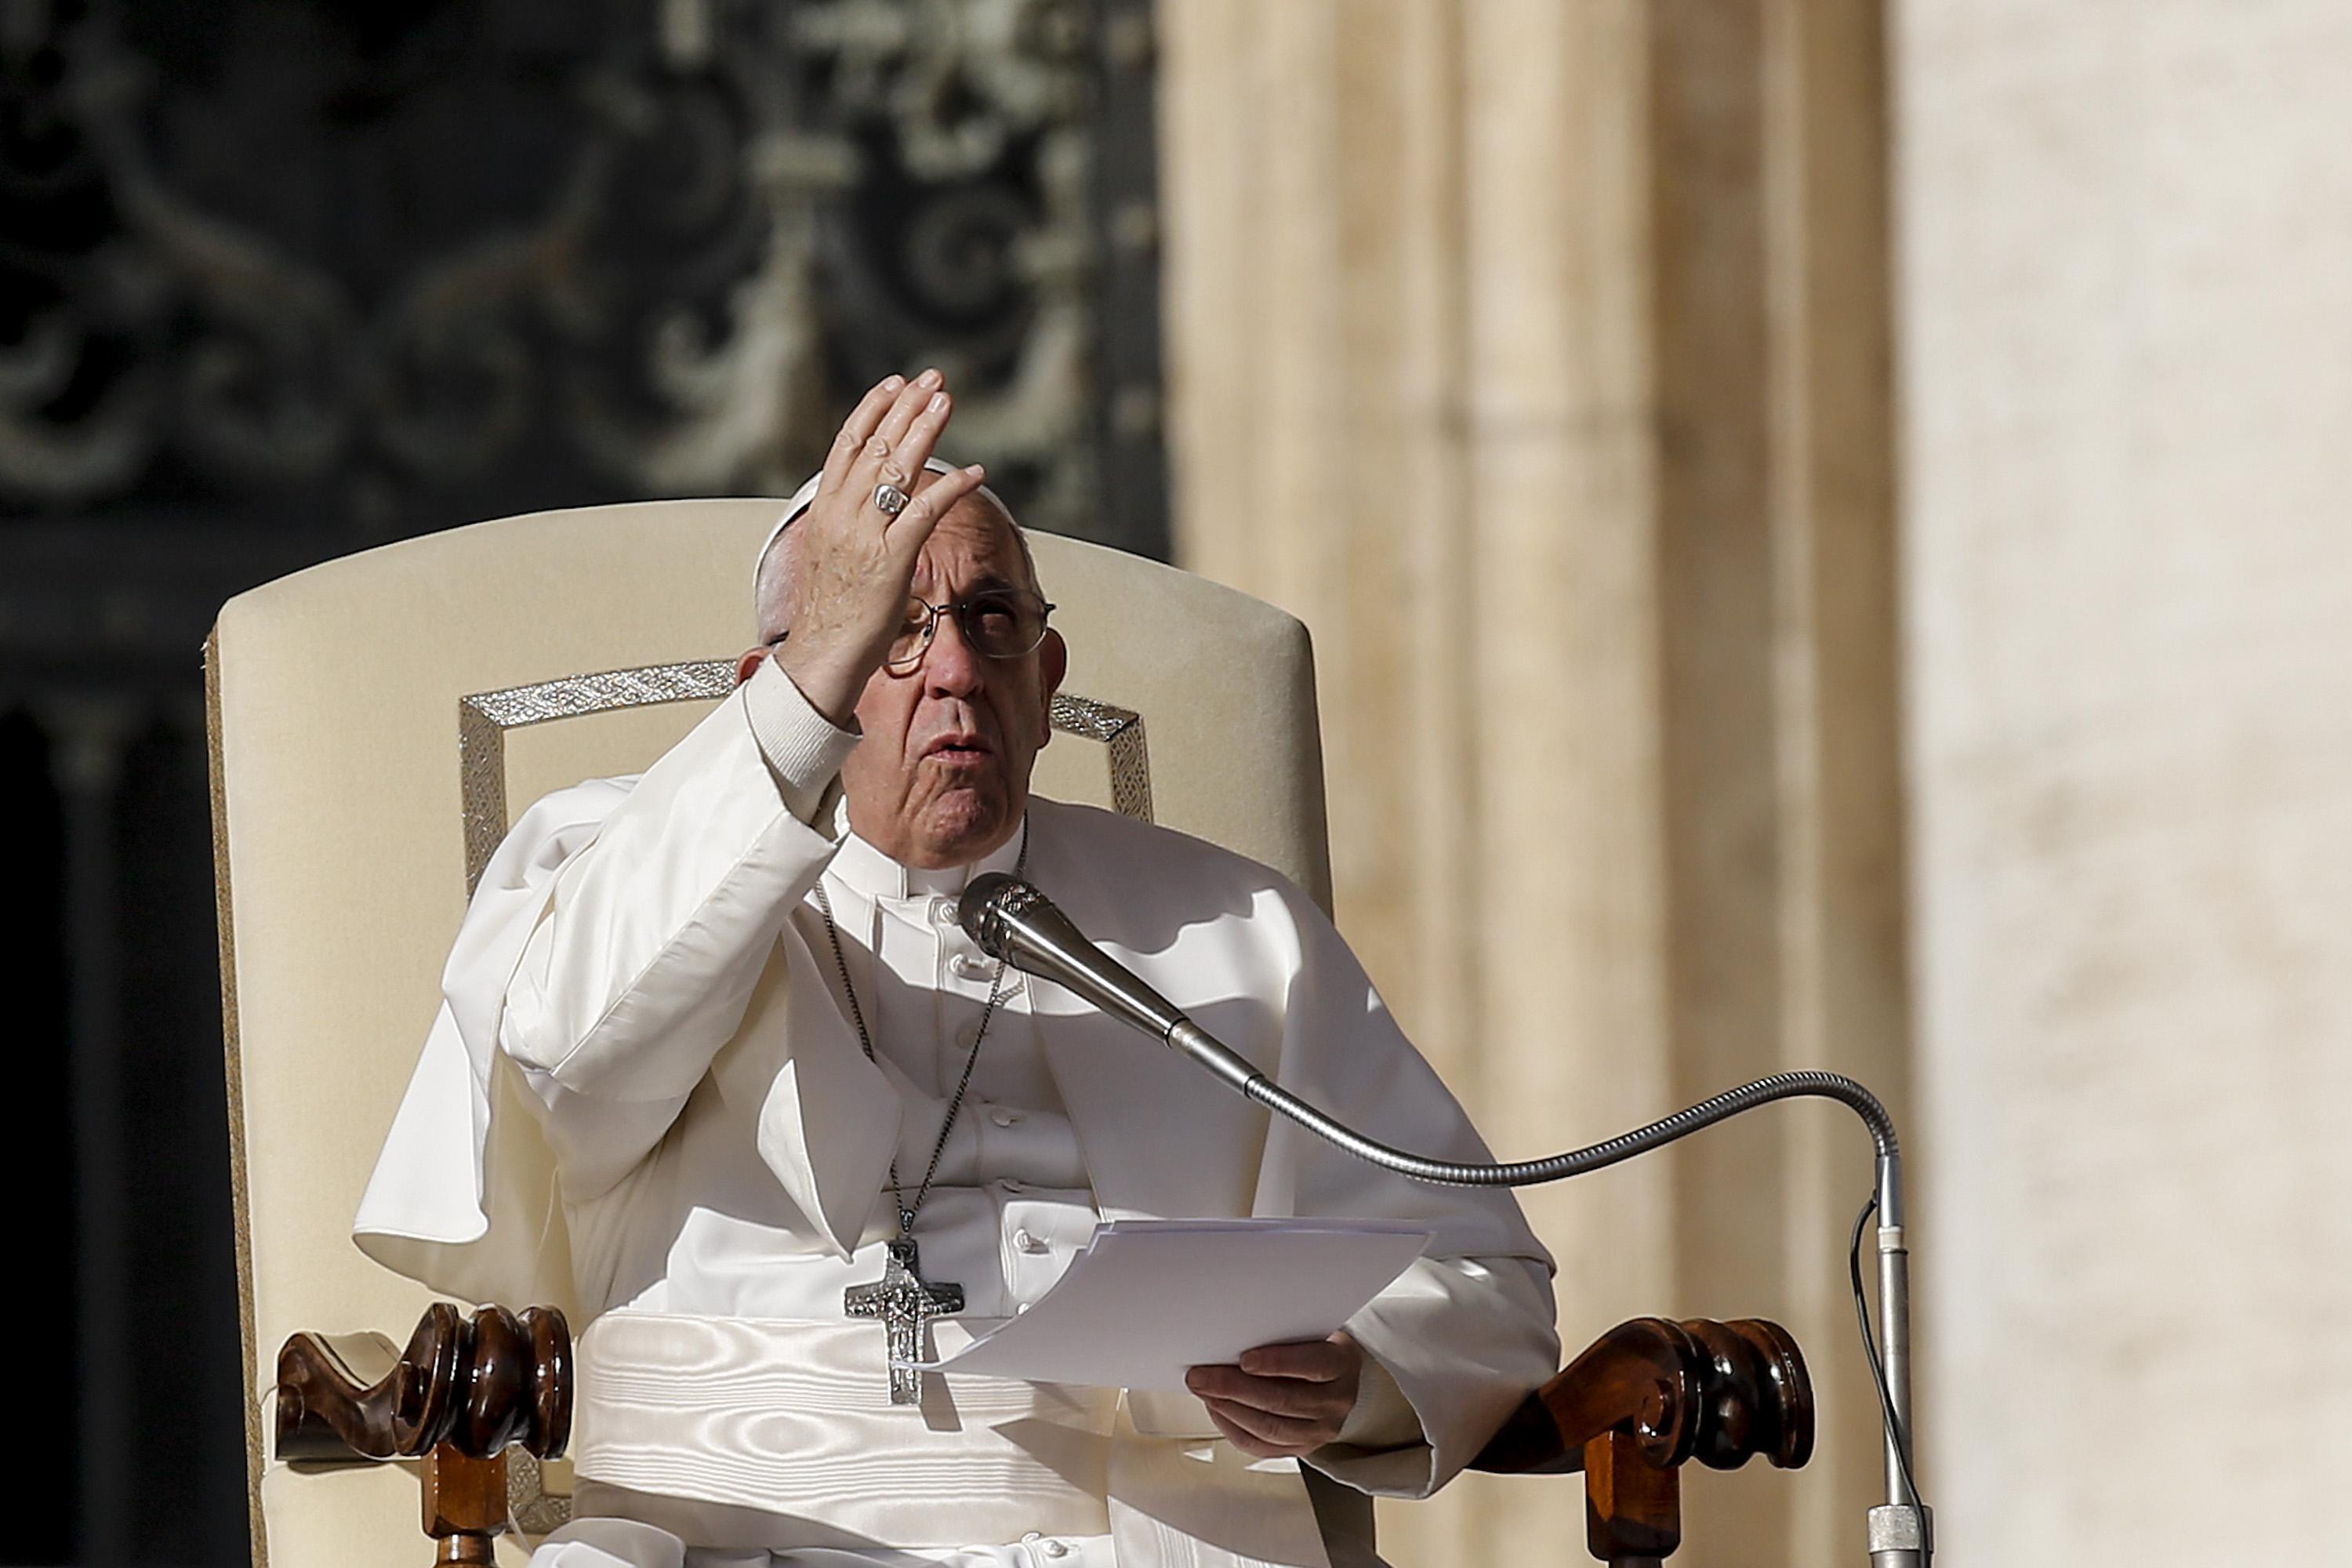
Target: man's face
<point>942,776</point>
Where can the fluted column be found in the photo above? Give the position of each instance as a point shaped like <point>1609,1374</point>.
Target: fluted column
<point>1535,354</point>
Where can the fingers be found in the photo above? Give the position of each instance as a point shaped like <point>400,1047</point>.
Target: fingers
<point>872,433</point>
<point>914,449</point>
<point>855,561</point>
<point>1267,1436</point>
<point>856,430</point>
<point>882,449</point>
<point>1284,1399</point>
<point>934,500</point>
<point>1319,1360</point>
<point>910,401</point>
<point>1297,1398</point>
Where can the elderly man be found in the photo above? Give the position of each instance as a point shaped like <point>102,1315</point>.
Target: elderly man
<point>772,1073</point>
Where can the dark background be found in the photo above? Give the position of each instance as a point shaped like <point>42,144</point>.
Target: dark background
<point>282,280</point>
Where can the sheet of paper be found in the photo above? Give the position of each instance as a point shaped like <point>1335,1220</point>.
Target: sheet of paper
<point>1148,1298</point>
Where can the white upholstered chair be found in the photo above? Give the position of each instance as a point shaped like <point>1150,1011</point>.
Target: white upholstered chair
<point>377,720</point>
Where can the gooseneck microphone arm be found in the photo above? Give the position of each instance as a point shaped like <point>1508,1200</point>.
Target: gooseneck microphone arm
<point>1012,921</point>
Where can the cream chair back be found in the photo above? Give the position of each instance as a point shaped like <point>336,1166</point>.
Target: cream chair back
<point>376,722</point>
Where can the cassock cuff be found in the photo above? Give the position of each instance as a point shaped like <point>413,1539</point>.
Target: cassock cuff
<point>805,749</point>
<point>1383,1417</point>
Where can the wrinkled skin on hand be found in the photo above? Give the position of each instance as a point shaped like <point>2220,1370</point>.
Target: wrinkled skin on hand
<point>852,565</point>
<point>941,776</point>
<point>1282,1401</point>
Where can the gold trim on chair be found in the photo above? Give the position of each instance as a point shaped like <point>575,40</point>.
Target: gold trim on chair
<point>484,717</point>
<point>1121,730</point>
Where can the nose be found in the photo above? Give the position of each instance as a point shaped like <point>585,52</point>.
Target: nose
<point>950,667</point>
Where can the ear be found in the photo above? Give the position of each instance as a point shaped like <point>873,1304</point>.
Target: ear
<point>1053,664</point>
<point>750,663</point>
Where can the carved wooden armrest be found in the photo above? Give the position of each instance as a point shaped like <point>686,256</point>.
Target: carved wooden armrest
<point>1643,1399</point>
<point>463,1391</point>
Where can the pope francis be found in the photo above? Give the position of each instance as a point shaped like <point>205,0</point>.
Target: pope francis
<point>786,1094</point>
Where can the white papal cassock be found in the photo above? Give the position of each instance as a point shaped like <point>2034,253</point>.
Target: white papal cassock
<point>649,954</point>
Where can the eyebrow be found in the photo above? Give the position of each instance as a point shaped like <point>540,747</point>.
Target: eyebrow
<point>990,583</point>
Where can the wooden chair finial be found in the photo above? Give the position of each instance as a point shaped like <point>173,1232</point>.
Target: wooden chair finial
<point>463,1391</point>
<point>1643,1400</point>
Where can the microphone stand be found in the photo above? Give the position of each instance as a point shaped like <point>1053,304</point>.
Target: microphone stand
<point>1012,921</point>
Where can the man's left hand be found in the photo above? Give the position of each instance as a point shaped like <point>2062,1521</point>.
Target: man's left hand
<point>1282,1401</point>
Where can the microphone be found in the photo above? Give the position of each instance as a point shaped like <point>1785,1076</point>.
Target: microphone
<point>1013,922</point>
<point>1016,923</point>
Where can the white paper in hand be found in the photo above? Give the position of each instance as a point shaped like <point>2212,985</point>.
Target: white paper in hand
<point>1149,1298</point>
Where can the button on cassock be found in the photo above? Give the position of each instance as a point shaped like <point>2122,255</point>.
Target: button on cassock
<point>978,966</point>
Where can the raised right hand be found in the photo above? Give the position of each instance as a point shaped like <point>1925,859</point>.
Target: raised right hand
<point>853,565</point>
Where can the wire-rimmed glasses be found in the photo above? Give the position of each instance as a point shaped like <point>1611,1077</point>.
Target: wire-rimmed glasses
<point>998,623</point>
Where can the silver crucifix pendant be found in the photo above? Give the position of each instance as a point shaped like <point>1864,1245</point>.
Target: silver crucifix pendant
<point>906,1302</point>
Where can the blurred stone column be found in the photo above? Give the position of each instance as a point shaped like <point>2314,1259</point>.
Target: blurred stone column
<point>1535,354</point>
<point>2126,307</point>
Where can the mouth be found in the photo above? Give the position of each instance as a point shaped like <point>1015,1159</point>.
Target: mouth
<point>961,748</point>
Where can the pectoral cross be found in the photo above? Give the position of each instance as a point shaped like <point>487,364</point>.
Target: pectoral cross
<point>906,1302</point>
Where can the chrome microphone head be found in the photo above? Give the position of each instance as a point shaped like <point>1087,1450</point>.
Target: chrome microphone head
<point>988,899</point>
<point>1016,924</point>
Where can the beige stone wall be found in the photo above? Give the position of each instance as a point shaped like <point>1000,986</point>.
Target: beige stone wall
<point>2126,314</point>
<point>1536,354</point>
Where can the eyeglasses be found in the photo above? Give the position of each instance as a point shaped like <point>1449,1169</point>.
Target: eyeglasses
<point>998,623</point>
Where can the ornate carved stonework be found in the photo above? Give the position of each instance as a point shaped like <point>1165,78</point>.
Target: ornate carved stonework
<point>281,279</point>
<point>392,267</point>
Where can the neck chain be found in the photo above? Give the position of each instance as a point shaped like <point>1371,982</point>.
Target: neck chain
<point>908,1211</point>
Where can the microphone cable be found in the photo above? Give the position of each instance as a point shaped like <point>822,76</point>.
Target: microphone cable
<point>1897,1432</point>
<point>1641,1140</point>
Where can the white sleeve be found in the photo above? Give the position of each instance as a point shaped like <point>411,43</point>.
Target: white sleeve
<point>652,935</point>
<point>1455,1344</point>
<point>1465,1334</point>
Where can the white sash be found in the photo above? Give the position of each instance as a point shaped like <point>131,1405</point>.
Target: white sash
<point>742,1433</point>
